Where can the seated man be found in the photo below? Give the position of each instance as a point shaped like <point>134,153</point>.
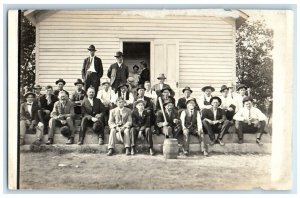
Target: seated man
<point>141,96</point>
<point>251,119</point>
<point>158,87</point>
<point>62,115</point>
<point>47,102</point>
<point>165,96</point>
<point>204,100</point>
<point>29,118</point>
<point>228,104</point>
<point>78,96</point>
<point>124,93</point>
<point>119,122</point>
<point>214,121</point>
<point>141,126</point>
<point>60,83</point>
<point>241,94</point>
<point>150,93</point>
<point>181,104</point>
<point>192,125</point>
<point>93,111</point>
<point>170,127</point>
<point>38,94</point>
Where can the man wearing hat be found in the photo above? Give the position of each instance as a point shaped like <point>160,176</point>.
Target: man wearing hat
<point>141,126</point>
<point>145,73</point>
<point>38,94</point>
<point>107,96</point>
<point>125,94</point>
<point>93,115</point>
<point>29,118</point>
<point>241,90</point>
<point>60,87</point>
<point>250,119</point>
<point>165,95</point>
<point>204,100</point>
<point>47,103</point>
<point>62,115</point>
<point>119,122</point>
<point>92,70</point>
<point>181,104</point>
<point>161,85</point>
<point>228,104</point>
<point>192,125</point>
<point>78,96</point>
<point>118,72</point>
<point>141,96</point>
<point>214,121</point>
<point>170,127</point>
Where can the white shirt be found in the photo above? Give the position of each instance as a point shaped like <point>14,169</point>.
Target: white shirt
<point>226,102</point>
<point>106,97</point>
<point>160,86</point>
<point>254,113</point>
<point>215,114</point>
<point>201,101</point>
<point>92,66</point>
<point>151,94</point>
<point>119,64</point>
<point>29,108</point>
<point>182,118</point>
<point>91,101</point>
<point>239,101</point>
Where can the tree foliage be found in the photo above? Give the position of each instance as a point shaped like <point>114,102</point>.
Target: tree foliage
<point>254,44</point>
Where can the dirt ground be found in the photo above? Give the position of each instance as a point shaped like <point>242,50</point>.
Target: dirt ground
<point>48,170</point>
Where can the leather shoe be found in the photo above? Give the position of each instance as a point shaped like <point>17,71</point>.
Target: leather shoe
<point>240,141</point>
<point>205,153</point>
<point>110,152</point>
<point>127,151</point>
<point>220,142</point>
<point>151,151</point>
<point>186,153</point>
<point>50,141</point>
<point>212,142</point>
<point>132,151</point>
<point>70,141</point>
<point>101,141</point>
<point>259,142</point>
<point>80,141</point>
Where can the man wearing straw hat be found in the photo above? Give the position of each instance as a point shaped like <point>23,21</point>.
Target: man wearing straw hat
<point>78,96</point>
<point>60,87</point>
<point>204,100</point>
<point>118,72</point>
<point>161,85</point>
<point>92,70</point>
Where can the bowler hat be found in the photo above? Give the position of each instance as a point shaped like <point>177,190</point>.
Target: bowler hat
<point>60,80</point>
<point>208,87</point>
<point>223,87</point>
<point>216,97</point>
<point>118,54</point>
<point>65,131</point>
<point>135,66</point>
<point>37,87</point>
<point>190,100</point>
<point>187,88</point>
<point>92,48</point>
<point>167,102</point>
<point>29,93</point>
<point>140,87</point>
<point>122,85</point>
<point>78,81</point>
<point>161,76</point>
<point>240,86</point>
<point>247,98</point>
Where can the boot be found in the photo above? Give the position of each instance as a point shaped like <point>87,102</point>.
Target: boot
<point>70,141</point>
<point>80,141</point>
<point>50,141</point>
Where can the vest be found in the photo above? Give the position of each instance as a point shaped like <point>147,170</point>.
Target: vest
<point>126,95</point>
<point>190,121</point>
<point>205,101</point>
<point>119,73</point>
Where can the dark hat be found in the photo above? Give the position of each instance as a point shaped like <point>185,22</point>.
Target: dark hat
<point>161,76</point>
<point>37,87</point>
<point>167,102</point>
<point>78,81</point>
<point>208,87</point>
<point>140,87</point>
<point>223,87</point>
<point>190,100</point>
<point>139,101</point>
<point>216,97</point>
<point>122,85</point>
<point>60,80</point>
<point>29,93</point>
<point>187,88</point>
<point>48,87</point>
<point>247,98</point>
<point>65,131</point>
<point>135,66</point>
<point>118,54</point>
<point>240,86</point>
<point>166,88</point>
<point>92,48</point>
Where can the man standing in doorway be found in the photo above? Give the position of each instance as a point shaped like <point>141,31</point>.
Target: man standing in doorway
<point>92,70</point>
<point>118,72</point>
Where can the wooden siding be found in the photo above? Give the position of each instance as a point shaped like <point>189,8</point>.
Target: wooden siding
<point>206,44</point>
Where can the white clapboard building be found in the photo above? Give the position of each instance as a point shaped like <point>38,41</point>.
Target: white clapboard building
<point>192,47</point>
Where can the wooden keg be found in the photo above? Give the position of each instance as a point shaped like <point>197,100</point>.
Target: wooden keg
<point>170,148</point>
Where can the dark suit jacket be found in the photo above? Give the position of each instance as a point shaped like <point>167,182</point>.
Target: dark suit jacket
<point>138,121</point>
<point>114,68</point>
<point>77,96</point>
<point>160,118</point>
<point>25,115</point>
<point>98,68</point>
<point>208,113</point>
<point>45,105</point>
<point>181,104</point>
<point>157,102</point>
<point>91,111</point>
<point>148,103</point>
<point>144,76</point>
<point>157,89</point>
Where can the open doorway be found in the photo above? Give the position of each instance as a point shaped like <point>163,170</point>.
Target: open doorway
<point>134,53</point>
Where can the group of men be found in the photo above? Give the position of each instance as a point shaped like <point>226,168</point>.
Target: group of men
<point>135,111</point>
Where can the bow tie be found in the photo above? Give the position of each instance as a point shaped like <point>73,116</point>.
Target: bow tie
<point>29,104</point>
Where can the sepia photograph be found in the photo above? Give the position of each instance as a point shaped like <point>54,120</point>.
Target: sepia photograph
<point>152,99</point>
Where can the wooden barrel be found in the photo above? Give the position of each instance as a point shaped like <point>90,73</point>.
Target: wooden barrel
<point>170,148</point>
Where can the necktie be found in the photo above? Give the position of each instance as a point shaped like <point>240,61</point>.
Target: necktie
<point>123,96</point>
<point>191,112</point>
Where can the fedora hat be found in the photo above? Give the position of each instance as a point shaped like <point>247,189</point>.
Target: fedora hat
<point>65,131</point>
<point>190,100</point>
<point>29,93</point>
<point>167,102</point>
<point>118,54</point>
<point>123,85</point>
<point>60,80</point>
<point>223,87</point>
<point>216,97</point>
<point>247,98</point>
<point>166,88</point>
<point>240,86</point>
<point>78,81</point>
<point>140,87</point>
<point>135,66</point>
<point>37,87</point>
<point>92,48</point>
<point>208,87</point>
<point>161,76</point>
<point>187,88</point>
